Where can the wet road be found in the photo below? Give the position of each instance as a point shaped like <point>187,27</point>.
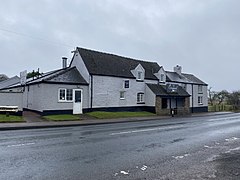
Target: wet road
<point>178,148</point>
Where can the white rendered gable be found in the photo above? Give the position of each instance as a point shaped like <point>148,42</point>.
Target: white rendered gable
<point>79,64</point>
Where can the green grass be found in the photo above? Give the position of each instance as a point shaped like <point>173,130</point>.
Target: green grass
<point>109,115</point>
<point>62,117</point>
<point>10,119</point>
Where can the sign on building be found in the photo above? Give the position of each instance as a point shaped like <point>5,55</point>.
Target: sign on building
<point>23,77</point>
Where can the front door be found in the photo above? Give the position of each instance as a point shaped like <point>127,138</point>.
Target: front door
<point>77,103</point>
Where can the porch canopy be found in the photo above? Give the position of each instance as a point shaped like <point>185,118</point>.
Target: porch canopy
<point>170,97</point>
<point>168,91</point>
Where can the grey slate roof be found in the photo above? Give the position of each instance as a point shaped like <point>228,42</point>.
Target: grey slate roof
<point>161,90</point>
<point>183,78</point>
<point>99,63</point>
<point>65,76</point>
<point>3,77</point>
<point>9,82</point>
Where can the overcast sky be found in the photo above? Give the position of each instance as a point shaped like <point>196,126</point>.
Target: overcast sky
<point>203,36</point>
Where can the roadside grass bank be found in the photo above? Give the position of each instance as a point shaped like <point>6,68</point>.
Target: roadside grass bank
<point>10,119</point>
<point>62,117</point>
<point>111,115</point>
<point>96,115</point>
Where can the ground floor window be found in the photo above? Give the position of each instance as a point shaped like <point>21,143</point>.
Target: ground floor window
<point>200,100</point>
<point>140,97</point>
<point>122,95</point>
<point>65,95</point>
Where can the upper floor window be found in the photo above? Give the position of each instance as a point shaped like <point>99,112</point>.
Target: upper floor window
<point>139,75</point>
<point>65,94</point>
<point>162,77</point>
<point>140,97</point>
<point>200,88</point>
<point>126,84</point>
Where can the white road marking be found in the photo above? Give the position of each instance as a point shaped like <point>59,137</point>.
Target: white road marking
<point>143,130</point>
<point>181,157</point>
<point>18,145</point>
<point>235,149</point>
<point>124,172</point>
<point>229,118</point>
<point>231,139</point>
<point>143,168</point>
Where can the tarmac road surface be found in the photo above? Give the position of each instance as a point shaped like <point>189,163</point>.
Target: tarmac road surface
<point>180,148</point>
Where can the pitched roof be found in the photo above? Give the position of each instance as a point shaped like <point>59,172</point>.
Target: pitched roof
<point>3,77</point>
<point>183,78</point>
<point>161,90</point>
<point>99,63</point>
<point>65,76</point>
<point>9,82</point>
<point>194,79</point>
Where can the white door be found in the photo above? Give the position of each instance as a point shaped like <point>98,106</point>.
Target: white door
<point>77,101</point>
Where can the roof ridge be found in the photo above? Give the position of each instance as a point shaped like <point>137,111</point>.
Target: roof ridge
<point>116,55</point>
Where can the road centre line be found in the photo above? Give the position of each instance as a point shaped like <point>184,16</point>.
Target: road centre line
<point>143,130</point>
<point>225,118</point>
<point>18,145</point>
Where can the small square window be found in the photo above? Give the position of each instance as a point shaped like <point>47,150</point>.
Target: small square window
<point>122,95</point>
<point>126,84</point>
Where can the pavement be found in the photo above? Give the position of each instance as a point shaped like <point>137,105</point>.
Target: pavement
<point>34,121</point>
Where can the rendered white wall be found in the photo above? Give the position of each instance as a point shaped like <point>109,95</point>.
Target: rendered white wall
<point>106,91</point>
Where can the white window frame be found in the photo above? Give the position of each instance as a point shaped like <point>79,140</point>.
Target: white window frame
<point>139,75</point>
<point>140,97</point>
<point>65,95</point>
<point>122,95</point>
<point>200,100</point>
<point>162,77</point>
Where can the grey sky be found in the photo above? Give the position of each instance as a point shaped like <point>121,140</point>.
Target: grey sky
<point>203,36</point>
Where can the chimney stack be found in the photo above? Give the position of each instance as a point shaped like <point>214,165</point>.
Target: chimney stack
<point>64,62</point>
<point>178,69</point>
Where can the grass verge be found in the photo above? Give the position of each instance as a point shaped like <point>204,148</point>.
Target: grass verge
<point>109,115</point>
<point>62,117</point>
<point>10,119</point>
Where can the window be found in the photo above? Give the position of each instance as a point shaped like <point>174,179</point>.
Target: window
<point>62,94</point>
<point>140,98</point>
<point>65,95</point>
<point>200,100</point>
<point>200,89</point>
<point>139,75</point>
<point>69,95</point>
<point>162,77</point>
<point>126,84</point>
<point>122,95</point>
